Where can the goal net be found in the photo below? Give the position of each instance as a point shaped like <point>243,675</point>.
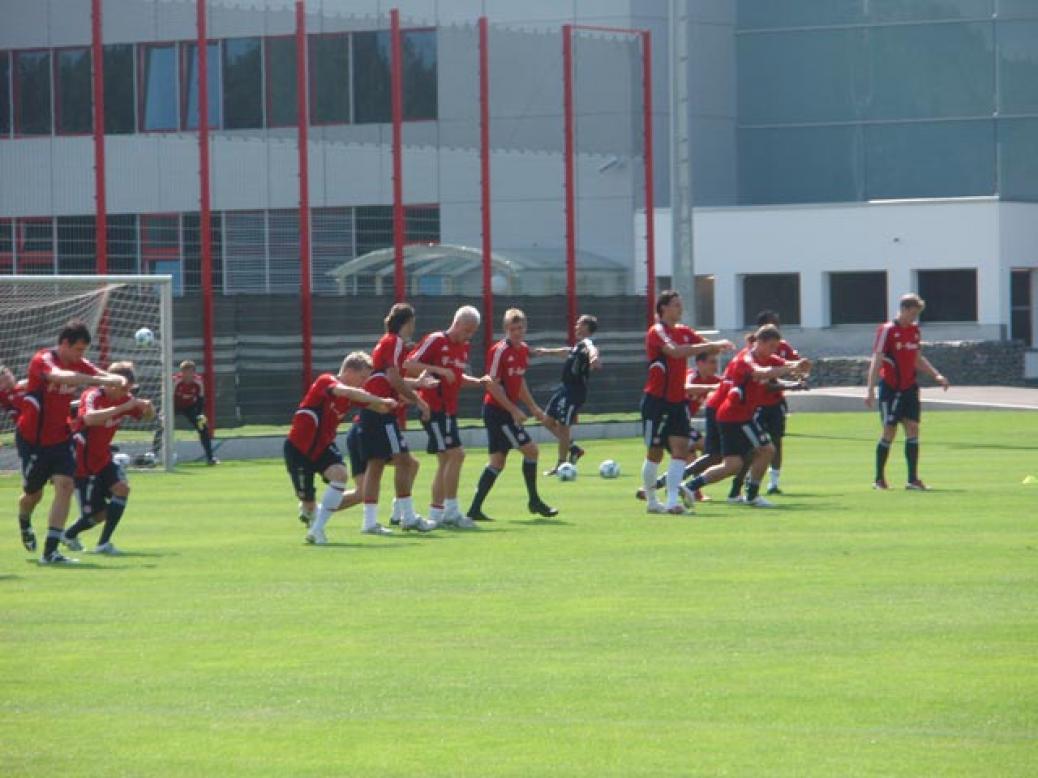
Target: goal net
<point>33,309</point>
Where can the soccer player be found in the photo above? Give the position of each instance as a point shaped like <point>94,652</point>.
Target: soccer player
<point>43,435</point>
<point>381,441</point>
<point>101,486</point>
<point>664,409</point>
<point>896,358</point>
<point>565,403</point>
<point>773,410</point>
<point>445,354</point>
<point>741,435</point>
<point>310,447</point>
<point>503,418</point>
<point>189,401</point>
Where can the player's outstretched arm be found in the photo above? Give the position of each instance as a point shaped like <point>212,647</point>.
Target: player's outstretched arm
<point>415,367</point>
<point>540,351</point>
<point>99,418</point>
<point>471,382</point>
<point>359,396</point>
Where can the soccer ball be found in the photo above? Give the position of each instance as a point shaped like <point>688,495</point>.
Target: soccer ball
<point>567,472</point>
<point>609,469</point>
<point>144,337</point>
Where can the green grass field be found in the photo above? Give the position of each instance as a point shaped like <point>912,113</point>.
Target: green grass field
<point>847,633</point>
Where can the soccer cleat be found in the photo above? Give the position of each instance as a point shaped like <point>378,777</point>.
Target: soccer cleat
<point>700,497</point>
<point>28,538</point>
<point>655,506</point>
<point>108,549</point>
<point>880,484</point>
<point>477,516</point>
<point>72,543</point>
<point>451,517</point>
<point>57,558</point>
<point>917,486</point>
<point>553,471</point>
<point>316,537</point>
<point>575,453</point>
<point>394,520</point>
<point>464,522</point>
<point>737,500</point>
<point>377,529</point>
<point>640,494</point>
<point>774,490</point>
<point>541,508</point>
<point>213,461</point>
<point>759,502</point>
<point>416,522</point>
<point>677,510</point>
<point>688,497</point>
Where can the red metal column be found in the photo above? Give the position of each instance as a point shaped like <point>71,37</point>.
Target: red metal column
<point>100,196</point>
<point>484,161</point>
<point>205,217</point>
<point>650,225</point>
<point>397,100</point>
<point>302,116</point>
<point>567,161</point>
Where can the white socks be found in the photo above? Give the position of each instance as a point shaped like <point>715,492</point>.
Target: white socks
<point>675,470</point>
<point>370,515</point>
<point>436,512</point>
<point>396,509</point>
<point>450,506</point>
<point>406,508</point>
<point>773,478</point>
<point>649,470</point>
<point>330,501</point>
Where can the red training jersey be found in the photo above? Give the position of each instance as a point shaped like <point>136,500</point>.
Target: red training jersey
<point>45,407</point>
<point>316,421</point>
<point>666,378</point>
<point>693,377</point>
<point>94,444</point>
<point>508,363</point>
<point>11,402</point>
<point>438,349</point>
<point>389,352</point>
<point>789,354</point>
<point>899,346</point>
<point>719,394</point>
<point>186,392</point>
<point>746,394</point>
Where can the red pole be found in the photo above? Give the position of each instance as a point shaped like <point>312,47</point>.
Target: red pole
<point>484,160</point>
<point>397,100</point>
<point>100,196</point>
<point>567,161</point>
<point>302,117</point>
<point>205,217</point>
<point>650,226</point>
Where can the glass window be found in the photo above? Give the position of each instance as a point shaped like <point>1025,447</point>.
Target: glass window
<point>32,93</point>
<point>928,71</point>
<point>189,109</point>
<point>281,81</point>
<point>942,159</point>
<point>5,93</point>
<point>77,245</point>
<point>374,227</point>
<point>6,246</point>
<point>857,298</point>
<point>35,239</point>
<point>422,223</point>
<point>704,288</point>
<point>329,79</point>
<point>763,14</point>
<point>951,295</point>
<point>242,84</point>
<point>73,91</point>
<point>1018,159</point>
<point>1018,66</point>
<point>1020,306</point>
<point>371,76</point>
<point>119,95</point>
<point>779,292</point>
<point>193,251</point>
<point>122,243</point>
<point>158,87</point>
<point>1017,8</point>
<point>800,165</point>
<point>419,63</point>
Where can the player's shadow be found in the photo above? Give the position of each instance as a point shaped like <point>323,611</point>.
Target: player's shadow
<point>9,577</point>
<point>543,521</point>
<point>146,554</point>
<point>73,566</point>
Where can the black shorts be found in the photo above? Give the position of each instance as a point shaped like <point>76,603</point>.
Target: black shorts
<point>94,491</point>
<point>563,406</point>
<point>694,436</point>
<point>40,463</point>
<point>503,434</point>
<point>712,444</point>
<point>772,419</point>
<point>662,420</point>
<point>192,412</point>
<point>739,438</point>
<point>301,469</point>
<point>357,462</point>
<point>380,436</point>
<point>895,406</point>
<point>442,431</point>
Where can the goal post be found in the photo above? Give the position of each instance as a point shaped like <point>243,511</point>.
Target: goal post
<point>33,309</point>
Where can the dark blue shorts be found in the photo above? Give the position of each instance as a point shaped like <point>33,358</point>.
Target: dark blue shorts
<point>358,464</point>
<point>94,491</point>
<point>503,434</point>
<point>302,469</point>
<point>662,420</point>
<point>712,444</point>
<point>563,406</point>
<point>895,406</point>
<point>772,419</point>
<point>739,438</point>
<point>442,431</point>
<point>40,463</point>
<point>380,436</point>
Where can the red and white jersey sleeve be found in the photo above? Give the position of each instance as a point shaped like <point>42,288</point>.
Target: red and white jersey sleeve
<point>45,407</point>
<point>389,352</point>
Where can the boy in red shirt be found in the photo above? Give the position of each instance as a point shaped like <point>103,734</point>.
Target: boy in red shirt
<point>896,357</point>
<point>101,486</point>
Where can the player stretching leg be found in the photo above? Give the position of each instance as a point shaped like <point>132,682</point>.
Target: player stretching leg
<point>772,413</point>
<point>896,358</point>
<point>664,410</point>
<point>43,437</point>
<point>101,485</point>
<point>189,401</point>
<point>504,419</point>
<point>381,440</point>
<point>566,401</point>
<point>741,436</point>
<point>444,355</point>
<point>310,447</point>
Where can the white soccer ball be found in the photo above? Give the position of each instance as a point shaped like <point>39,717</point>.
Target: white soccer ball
<point>144,337</point>
<point>609,469</point>
<point>121,459</point>
<point>567,472</point>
